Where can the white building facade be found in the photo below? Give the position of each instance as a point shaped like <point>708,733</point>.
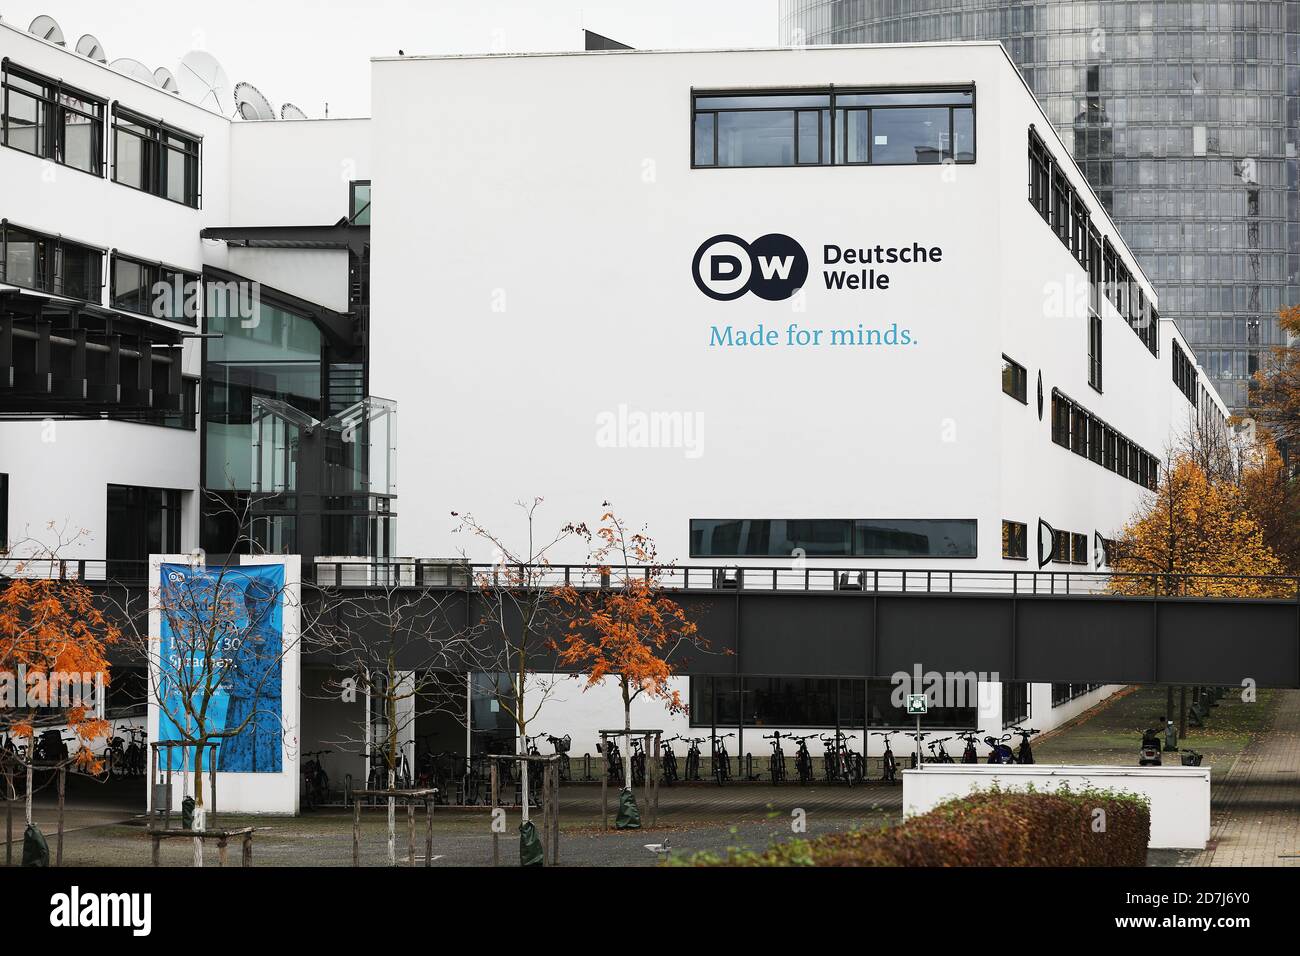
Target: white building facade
<point>826,308</point>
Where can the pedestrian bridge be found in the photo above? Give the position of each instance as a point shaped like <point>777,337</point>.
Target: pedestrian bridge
<point>1038,626</point>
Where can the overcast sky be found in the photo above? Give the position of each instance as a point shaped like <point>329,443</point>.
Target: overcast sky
<point>311,52</point>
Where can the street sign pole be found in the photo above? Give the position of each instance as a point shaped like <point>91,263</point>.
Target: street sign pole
<point>918,704</point>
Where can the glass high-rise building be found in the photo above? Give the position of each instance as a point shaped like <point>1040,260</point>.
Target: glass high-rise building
<point>1183,115</point>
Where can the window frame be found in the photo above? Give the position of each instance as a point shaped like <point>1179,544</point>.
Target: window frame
<point>1020,379</point>
<point>54,130</point>
<point>831,118</point>
<point>155,150</point>
<point>1095,352</point>
<point>160,273</point>
<point>1009,540</point>
<point>56,246</point>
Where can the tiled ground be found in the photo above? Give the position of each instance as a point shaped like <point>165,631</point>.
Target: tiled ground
<point>1255,811</point>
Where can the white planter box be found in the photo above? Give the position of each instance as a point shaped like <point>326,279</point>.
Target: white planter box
<point>1180,796</point>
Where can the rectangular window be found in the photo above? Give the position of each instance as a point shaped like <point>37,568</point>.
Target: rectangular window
<point>1015,540</point>
<point>154,289</point>
<point>150,156</point>
<point>141,522</point>
<point>34,260</point>
<point>796,127</point>
<point>359,203</point>
<point>1184,373</point>
<point>1015,380</point>
<point>4,513</point>
<point>1060,420</point>
<point>1040,177</point>
<point>1015,702</point>
<point>43,117</point>
<point>833,538</point>
<point>1094,351</point>
<point>1062,198</point>
<point>1078,549</point>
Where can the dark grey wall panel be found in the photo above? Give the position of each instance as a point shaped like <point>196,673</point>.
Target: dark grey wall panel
<point>1212,642</point>
<point>786,634</point>
<point>944,634</point>
<point>1084,640</point>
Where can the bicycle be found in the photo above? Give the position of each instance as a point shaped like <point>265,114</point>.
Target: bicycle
<point>776,766</point>
<point>638,762</point>
<point>561,747</point>
<point>1024,753</point>
<point>721,761</point>
<point>888,765</point>
<point>668,773</point>
<point>316,781</point>
<point>614,762</point>
<point>942,756</point>
<point>919,738</point>
<point>840,763</point>
<point>970,754</point>
<point>693,758</point>
<point>803,761</point>
<point>999,752</point>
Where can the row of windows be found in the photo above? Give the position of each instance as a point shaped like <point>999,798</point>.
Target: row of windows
<point>818,702</point>
<point>1067,547</point>
<point>1063,209</point>
<point>1184,374</point>
<point>1064,693</point>
<point>833,127</point>
<point>50,264</point>
<point>1076,428</point>
<point>834,538</point>
<point>34,260</point>
<point>43,117</point>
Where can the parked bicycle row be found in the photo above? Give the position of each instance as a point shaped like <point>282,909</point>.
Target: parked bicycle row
<point>119,758</point>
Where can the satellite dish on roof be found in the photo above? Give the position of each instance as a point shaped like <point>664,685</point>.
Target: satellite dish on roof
<point>133,68</point>
<point>47,29</point>
<point>163,77</point>
<point>89,46</point>
<point>291,112</point>
<point>203,81</point>
<point>250,104</point>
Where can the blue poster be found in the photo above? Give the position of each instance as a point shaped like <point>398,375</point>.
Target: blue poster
<point>222,639</point>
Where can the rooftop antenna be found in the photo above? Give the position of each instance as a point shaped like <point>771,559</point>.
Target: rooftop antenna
<point>133,68</point>
<point>47,28</point>
<point>290,112</point>
<point>250,104</point>
<point>204,82</point>
<point>164,78</point>
<point>90,47</point>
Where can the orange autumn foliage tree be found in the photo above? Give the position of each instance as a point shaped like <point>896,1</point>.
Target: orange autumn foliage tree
<point>1195,536</point>
<point>52,635</point>
<point>630,631</point>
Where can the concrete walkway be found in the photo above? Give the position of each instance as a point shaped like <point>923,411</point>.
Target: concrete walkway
<point>1255,816</point>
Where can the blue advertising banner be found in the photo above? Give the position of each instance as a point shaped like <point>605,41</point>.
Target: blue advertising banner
<point>221,640</point>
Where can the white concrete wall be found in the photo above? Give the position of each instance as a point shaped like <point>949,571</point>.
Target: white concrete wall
<point>1180,796</point>
<point>58,472</point>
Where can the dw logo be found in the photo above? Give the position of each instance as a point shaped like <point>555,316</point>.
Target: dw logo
<point>773,267</point>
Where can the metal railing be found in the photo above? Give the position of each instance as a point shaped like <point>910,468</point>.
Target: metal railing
<point>451,574</point>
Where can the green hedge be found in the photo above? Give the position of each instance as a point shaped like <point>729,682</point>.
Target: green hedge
<point>993,828</point>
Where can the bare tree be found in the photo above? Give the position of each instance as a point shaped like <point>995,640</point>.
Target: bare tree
<point>395,647</point>
<point>523,615</point>
<point>216,635</point>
